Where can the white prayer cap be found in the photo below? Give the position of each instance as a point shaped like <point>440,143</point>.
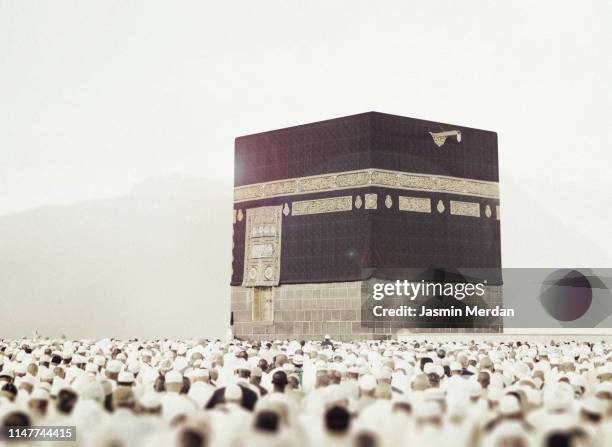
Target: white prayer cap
<point>383,374</point>
<point>58,385</point>
<point>367,382</point>
<point>20,368</point>
<point>39,394</point>
<point>604,370</point>
<point>150,400</point>
<point>199,373</point>
<point>509,405</point>
<point>456,366</point>
<point>174,376</point>
<point>180,363</point>
<point>99,360</point>
<point>429,368</point>
<point>7,373</point>
<point>233,393</point>
<point>559,397</point>
<point>28,379</point>
<point>605,387</point>
<point>576,380</point>
<point>521,370</point>
<point>428,409</point>
<point>91,368</point>
<point>289,367</point>
<point>593,405</point>
<point>474,389</point>
<point>434,394</point>
<point>114,366</point>
<point>92,390</point>
<point>46,374</point>
<point>125,377</point>
<point>298,360</point>
<point>327,337</point>
<point>134,367</point>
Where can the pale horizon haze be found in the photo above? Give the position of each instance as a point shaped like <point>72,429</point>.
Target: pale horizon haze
<point>118,119</point>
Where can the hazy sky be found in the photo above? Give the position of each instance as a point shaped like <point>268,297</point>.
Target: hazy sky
<point>96,96</point>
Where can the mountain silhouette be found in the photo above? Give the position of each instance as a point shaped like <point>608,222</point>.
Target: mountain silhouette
<point>155,262</point>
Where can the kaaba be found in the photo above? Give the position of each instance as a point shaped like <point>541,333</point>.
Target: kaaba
<point>320,209</point>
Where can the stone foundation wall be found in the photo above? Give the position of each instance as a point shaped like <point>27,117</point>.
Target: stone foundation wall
<point>310,311</point>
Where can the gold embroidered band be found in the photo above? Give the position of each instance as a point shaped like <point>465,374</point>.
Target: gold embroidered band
<point>366,178</point>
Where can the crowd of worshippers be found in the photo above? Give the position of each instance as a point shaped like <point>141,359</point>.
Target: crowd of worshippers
<point>314,393</point>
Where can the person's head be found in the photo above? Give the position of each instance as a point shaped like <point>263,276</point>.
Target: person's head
<point>173,382</point>
<point>420,382</point>
<point>484,379</point>
<point>38,403</point>
<point>200,375</point>
<point>337,420</point>
<point>27,385</point>
<point>16,419</point>
<point>58,371</point>
<point>293,382</point>
<point>191,437</point>
<point>434,380</point>
<point>66,400</point>
<point>186,385</point>
<point>219,360</point>
<point>243,373</point>
<point>123,397</point>
<point>322,380</point>
<point>456,369</point>
<point>335,376</point>
<point>279,381</point>
<point>366,439</point>
<point>424,361</point>
<point>367,385</point>
<point>233,394</point>
<point>33,369</point>
<point>214,374</point>
<point>160,384</point>
<point>255,377</point>
<point>486,363</point>
<point>9,391</point>
<point>266,421</point>
<point>263,364</point>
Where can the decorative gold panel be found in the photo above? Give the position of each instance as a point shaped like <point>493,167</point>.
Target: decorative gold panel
<point>415,204</point>
<point>371,201</point>
<point>262,246</point>
<point>458,208</point>
<point>318,206</point>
